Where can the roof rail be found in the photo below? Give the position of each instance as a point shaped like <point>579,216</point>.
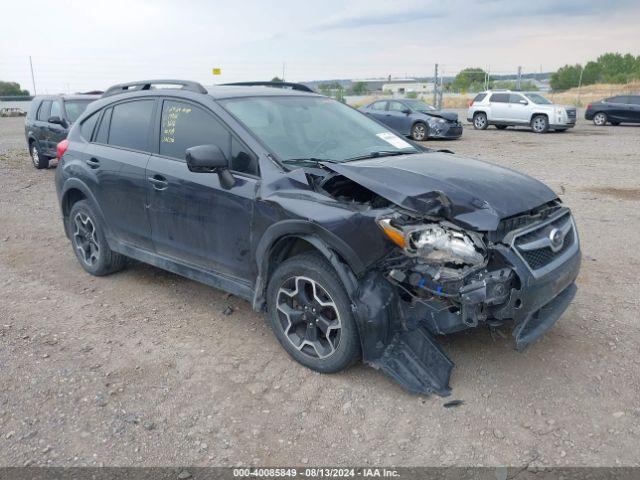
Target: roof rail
<point>148,85</point>
<point>285,85</point>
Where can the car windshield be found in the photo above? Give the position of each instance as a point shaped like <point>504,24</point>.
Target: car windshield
<point>74,108</point>
<point>538,99</point>
<point>419,105</point>
<point>311,128</point>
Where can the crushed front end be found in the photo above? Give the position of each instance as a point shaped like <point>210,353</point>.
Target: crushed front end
<point>443,278</point>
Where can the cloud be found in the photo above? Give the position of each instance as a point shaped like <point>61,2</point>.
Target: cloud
<point>384,18</point>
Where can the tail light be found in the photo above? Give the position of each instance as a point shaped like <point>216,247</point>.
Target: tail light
<point>588,106</point>
<point>62,148</point>
<point>470,103</point>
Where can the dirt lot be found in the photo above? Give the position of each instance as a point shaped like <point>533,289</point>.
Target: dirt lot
<point>143,368</point>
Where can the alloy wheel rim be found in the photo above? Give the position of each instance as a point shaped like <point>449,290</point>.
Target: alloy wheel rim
<point>35,156</point>
<point>600,119</point>
<point>538,124</point>
<point>480,121</point>
<point>85,239</point>
<point>309,317</point>
<point>419,132</point>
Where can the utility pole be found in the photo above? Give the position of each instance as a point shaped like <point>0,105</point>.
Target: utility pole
<point>283,66</point>
<point>580,84</point>
<point>435,87</point>
<point>33,80</point>
<point>519,83</point>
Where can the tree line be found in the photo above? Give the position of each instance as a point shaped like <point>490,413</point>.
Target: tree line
<point>608,68</point>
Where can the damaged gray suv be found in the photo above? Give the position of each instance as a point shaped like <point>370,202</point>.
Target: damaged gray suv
<point>358,244</point>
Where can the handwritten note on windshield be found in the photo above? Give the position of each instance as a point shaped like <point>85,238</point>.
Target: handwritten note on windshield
<point>170,118</point>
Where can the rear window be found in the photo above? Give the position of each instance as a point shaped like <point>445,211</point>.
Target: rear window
<point>74,108</point>
<point>479,97</point>
<point>45,111</point>
<point>33,108</point>
<point>130,124</point>
<point>618,99</point>
<point>500,98</point>
<point>635,99</point>
<point>103,131</point>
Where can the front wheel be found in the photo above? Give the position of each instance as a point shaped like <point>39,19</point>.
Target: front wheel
<point>89,242</point>
<point>310,314</point>
<point>600,119</point>
<point>39,160</point>
<point>419,132</point>
<point>480,121</point>
<point>540,124</point>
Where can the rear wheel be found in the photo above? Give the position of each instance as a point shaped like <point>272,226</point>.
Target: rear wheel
<point>419,132</point>
<point>89,242</point>
<point>39,160</point>
<point>310,314</point>
<point>480,121</point>
<point>540,124</point>
<point>600,119</point>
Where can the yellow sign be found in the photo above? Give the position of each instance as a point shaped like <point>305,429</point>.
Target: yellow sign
<point>217,71</point>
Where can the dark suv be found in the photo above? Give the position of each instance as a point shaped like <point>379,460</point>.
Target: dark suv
<point>48,122</point>
<point>356,242</point>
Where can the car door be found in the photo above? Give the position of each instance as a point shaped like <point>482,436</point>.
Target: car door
<point>41,126</point>
<point>519,110</point>
<point>193,218</point>
<point>499,107</point>
<point>398,118</point>
<point>378,110</point>
<point>619,109</point>
<point>56,132</point>
<point>118,157</point>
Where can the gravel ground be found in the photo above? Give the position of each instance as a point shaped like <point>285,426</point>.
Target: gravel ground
<point>143,368</point>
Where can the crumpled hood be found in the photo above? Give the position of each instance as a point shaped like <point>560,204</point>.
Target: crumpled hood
<point>472,192</point>
<point>451,116</point>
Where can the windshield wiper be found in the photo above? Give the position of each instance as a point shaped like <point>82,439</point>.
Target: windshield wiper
<point>380,153</point>
<point>307,161</point>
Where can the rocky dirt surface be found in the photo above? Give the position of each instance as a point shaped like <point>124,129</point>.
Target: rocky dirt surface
<point>144,368</point>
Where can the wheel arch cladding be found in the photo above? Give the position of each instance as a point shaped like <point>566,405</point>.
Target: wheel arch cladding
<point>290,237</point>
<point>75,190</point>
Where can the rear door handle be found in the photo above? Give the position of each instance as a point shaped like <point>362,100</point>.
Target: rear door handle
<point>93,163</point>
<point>159,182</point>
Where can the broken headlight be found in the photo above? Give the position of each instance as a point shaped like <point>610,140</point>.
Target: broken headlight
<point>435,242</point>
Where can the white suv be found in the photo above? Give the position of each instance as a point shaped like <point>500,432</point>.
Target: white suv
<point>504,108</point>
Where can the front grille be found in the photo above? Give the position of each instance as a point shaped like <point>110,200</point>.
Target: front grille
<point>534,245</point>
<point>571,115</point>
<point>521,221</point>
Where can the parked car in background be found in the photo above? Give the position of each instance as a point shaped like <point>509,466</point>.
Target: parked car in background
<point>504,108</point>
<point>12,112</point>
<point>48,122</point>
<point>358,244</point>
<point>415,119</point>
<point>615,110</point>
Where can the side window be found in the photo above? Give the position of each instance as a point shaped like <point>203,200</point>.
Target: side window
<point>86,128</point>
<point>184,125</point>
<point>379,106</point>
<point>243,160</point>
<point>130,122</point>
<point>479,97</point>
<point>615,100</point>
<point>500,98</point>
<point>103,131</point>
<point>515,98</point>
<point>45,111</point>
<point>33,109</point>
<point>396,107</point>
<point>634,100</point>
<point>56,110</point>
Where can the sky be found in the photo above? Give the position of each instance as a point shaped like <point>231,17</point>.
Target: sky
<point>87,45</point>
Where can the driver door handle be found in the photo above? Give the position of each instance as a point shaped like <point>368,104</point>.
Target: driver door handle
<point>93,163</point>
<point>159,182</point>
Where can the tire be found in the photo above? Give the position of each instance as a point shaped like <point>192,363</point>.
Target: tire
<point>480,121</point>
<point>501,127</point>
<point>420,132</point>
<point>86,232</point>
<point>600,119</point>
<point>39,160</point>
<point>540,124</point>
<point>307,289</point>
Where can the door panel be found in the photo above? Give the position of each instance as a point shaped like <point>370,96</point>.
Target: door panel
<point>499,107</point>
<point>518,112</point>
<point>195,220</point>
<point>397,119</point>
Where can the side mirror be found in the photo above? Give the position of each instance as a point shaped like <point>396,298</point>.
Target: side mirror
<point>208,159</point>
<point>57,120</point>
<point>406,111</point>
<point>523,102</point>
